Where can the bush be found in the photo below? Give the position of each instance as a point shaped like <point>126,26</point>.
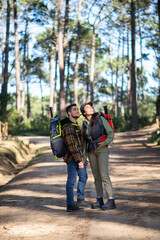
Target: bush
<point>15,122</point>
<point>155,138</point>
<point>18,125</point>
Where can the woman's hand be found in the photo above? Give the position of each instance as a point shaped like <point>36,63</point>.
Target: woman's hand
<point>100,145</point>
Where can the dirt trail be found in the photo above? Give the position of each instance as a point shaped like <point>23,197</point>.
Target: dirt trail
<point>33,205</point>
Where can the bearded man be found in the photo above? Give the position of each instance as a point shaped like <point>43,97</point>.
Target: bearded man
<point>71,134</point>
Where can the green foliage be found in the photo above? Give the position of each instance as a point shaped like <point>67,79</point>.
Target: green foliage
<point>120,124</point>
<point>6,98</point>
<point>40,125</point>
<point>15,122</point>
<point>155,138</point>
<point>18,125</point>
<point>146,112</point>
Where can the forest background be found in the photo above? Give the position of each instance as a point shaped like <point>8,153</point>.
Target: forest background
<point>58,52</point>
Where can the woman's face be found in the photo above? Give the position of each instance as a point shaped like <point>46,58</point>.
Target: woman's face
<point>88,110</point>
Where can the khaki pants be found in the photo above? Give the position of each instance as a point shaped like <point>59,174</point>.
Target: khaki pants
<point>99,164</point>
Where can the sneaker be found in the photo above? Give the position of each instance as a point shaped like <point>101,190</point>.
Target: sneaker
<point>81,203</point>
<point>110,204</point>
<point>98,204</point>
<point>73,208</point>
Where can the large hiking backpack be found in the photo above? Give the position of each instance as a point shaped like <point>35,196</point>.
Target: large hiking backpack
<point>107,116</point>
<point>56,141</point>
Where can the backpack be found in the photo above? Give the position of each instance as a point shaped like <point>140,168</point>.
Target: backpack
<point>107,116</point>
<point>56,141</point>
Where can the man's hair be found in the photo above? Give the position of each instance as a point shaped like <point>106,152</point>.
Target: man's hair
<point>68,108</point>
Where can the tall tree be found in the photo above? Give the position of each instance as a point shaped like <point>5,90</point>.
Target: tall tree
<point>2,38</point>
<point>17,64</point>
<point>92,64</point>
<point>55,82</point>
<point>66,30</point>
<point>133,73</point>
<point>28,92</point>
<point>61,61</point>
<point>122,91</point>
<point>24,58</point>
<point>128,72</point>
<point>117,76</point>
<point>77,54</point>
<point>158,7</point>
<point>52,67</point>
<point>6,63</point>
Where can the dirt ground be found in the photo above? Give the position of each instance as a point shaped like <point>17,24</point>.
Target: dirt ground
<point>33,204</point>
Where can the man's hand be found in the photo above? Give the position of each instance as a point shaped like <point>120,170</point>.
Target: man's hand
<point>80,165</point>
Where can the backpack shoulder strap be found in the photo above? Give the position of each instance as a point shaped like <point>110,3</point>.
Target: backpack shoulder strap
<point>100,122</point>
<point>84,126</point>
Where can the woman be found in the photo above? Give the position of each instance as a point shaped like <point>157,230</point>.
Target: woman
<point>97,135</point>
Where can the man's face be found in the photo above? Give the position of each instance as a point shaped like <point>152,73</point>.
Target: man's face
<point>74,112</point>
<point>88,110</point>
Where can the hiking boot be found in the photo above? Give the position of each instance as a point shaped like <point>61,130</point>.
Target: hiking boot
<point>98,204</point>
<point>81,203</point>
<point>73,208</point>
<point>110,204</point>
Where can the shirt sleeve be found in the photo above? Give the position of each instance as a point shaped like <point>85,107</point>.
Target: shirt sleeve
<point>109,132</point>
<point>72,143</point>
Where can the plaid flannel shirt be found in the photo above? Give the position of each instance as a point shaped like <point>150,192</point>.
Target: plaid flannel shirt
<point>71,134</point>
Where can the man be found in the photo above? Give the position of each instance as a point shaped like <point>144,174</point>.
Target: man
<point>71,134</point>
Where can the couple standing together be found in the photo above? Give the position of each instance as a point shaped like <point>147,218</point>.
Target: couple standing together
<point>82,144</point>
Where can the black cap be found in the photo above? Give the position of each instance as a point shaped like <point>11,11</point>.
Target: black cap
<point>83,105</point>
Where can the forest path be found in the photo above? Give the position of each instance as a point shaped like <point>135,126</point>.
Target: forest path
<point>33,204</point>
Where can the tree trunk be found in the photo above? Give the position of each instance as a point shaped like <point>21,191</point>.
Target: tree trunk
<point>55,81</point>
<point>2,40</point>
<point>87,79</point>
<point>24,61</point>
<point>122,93</point>
<point>158,7</point>
<point>6,62</point>
<point>84,86</point>
<point>117,75</point>
<point>128,74</point>
<point>65,31</point>
<point>17,64</point>
<point>133,73</point>
<point>111,66</point>
<point>141,53</point>
<point>159,76</point>
<point>61,61</point>
<point>51,62</point>
<point>28,95</point>
<point>77,54</point>
<point>68,75</point>
<point>28,100</point>
<point>92,65</point>
<point>42,103</point>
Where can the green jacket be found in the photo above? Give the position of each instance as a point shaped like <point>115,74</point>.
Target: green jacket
<point>108,131</point>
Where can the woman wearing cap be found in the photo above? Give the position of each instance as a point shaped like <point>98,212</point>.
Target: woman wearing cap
<point>97,135</point>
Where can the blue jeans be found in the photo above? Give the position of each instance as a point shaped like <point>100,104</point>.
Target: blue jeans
<point>73,171</point>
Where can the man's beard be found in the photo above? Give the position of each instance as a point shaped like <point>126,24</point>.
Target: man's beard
<point>75,117</point>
